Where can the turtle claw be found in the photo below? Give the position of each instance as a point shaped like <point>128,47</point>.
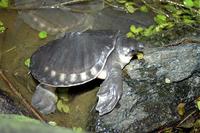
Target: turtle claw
<point>109,95</point>
<point>44,100</point>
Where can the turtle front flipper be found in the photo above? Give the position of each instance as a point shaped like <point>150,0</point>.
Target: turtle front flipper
<point>44,99</point>
<point>110,91</point>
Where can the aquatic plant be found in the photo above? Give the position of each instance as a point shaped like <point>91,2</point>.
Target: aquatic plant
<point>27,62</point>
<point>42,34</point>
<point>2,27</point>
<point>168,14</point>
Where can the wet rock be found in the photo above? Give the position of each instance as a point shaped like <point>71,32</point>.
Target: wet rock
<point>8,106</point>
<point>152,90</point>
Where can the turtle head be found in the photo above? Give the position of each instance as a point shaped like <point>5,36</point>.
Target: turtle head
<point>127,48</point>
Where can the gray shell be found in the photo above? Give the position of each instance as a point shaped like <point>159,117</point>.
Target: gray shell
<point>74,59</point>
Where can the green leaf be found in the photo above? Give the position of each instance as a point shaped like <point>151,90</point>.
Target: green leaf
<point>121,1</point>
<point>197,3</point>
<point>130,35</point>
<point>129,7</point>
<point>149,31</point>
<point>132,28</point>
<point>27,62</point>
<point>144,8</point>
<point>2,28</point>
<point>62,107</point>
<point>198,103</point>
<point>160,18</point>
<point>4,3</point>
<point>188,3</point>
<point>42,34</point>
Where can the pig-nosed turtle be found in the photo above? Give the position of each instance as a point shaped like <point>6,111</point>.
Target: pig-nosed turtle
<point>77,58</point>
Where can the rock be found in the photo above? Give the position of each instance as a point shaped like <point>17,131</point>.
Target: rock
<point>8,106</point>
<point>152,90</point>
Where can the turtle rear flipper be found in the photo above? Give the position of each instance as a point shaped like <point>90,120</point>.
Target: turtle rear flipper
<point>110,91</point>
<point>44,99</point>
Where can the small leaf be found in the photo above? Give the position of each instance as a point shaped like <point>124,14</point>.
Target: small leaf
<point>27,62</point>
<point>62,107</point>
<point>188,3</point>
<point>121,1</point>
<point>198,103</point>
<point>2,28</point>
<point>129,7</point>
<point>42,34</point>
<point>132,28</point>
<point>181,109</point>
<point>130,35</point>
<point>149,31</point>
<point>160,19</point>
<point>144,8</point>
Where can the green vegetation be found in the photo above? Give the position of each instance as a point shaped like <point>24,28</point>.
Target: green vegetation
<point>168,15</point>
<point>4,3</point>
<point>27,62</point>
<point>42,34</point>
<point>2,27</point>
<point>198,103</point>
<point>62,105</point>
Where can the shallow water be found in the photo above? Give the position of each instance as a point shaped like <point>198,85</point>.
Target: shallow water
<point>16,45</point>
<point>19,42</point>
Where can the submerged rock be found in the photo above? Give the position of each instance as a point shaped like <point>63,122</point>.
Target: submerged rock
<point>152,90</point>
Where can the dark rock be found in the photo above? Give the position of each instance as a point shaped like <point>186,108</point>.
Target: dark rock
<point>152,90</point>
<point>8,106</point>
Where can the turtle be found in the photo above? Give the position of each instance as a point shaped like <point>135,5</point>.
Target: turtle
<point>77,58</point>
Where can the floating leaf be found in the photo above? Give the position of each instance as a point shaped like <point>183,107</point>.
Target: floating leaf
<point>188,3</point>
<point>2,28</point>
<point>198,103</point>
<point>160,19</point>
<point>129,7</point>
<point>42,34</point>
<point>132,28</point>
<point>144,8</point>
<point>62,107</point>
<point>130,35</point>
<point>149,31</point>
<point>27,62</point>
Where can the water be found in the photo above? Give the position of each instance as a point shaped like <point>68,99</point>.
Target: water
<point>20,40</point>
